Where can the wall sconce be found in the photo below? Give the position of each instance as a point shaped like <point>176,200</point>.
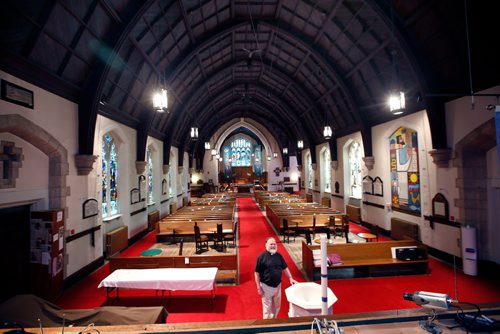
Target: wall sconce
<point>300,144</point>
<point>268,158</point>
<point>214,152</point>
<point>285,150</point>
<point>194,133</point>
<point>327,132</point>
<point>207,145</point>
<point>217,156</point>
<point>275,155</point>
<point>397,103</point>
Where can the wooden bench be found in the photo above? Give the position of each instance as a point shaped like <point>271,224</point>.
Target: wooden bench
<point>227,264</point>
<point>365,259</point>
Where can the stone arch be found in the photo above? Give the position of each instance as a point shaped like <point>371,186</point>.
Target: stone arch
<point>48,144</point>
<point>471,163</point>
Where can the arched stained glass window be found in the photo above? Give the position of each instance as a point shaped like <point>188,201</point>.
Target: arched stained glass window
<point>149,155</point>
<point>327,172</point>
<point>170,187</point>
<point>109,176</point>
<point>309,171</point>
<point>241,152</point>
<point>355,182</point>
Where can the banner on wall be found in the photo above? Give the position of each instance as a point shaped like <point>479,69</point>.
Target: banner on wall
<point>257,166</point>
<point>226,155</point>
<point>497,124</point>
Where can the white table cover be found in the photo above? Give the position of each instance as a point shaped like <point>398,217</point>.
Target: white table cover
<point>162,279</point>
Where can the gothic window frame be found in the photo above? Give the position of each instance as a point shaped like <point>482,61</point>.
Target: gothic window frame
<point>109,207</point>
<point>309,170</point>
<point>326,170</point>
<point>354,170</point>
<point>150,170</point>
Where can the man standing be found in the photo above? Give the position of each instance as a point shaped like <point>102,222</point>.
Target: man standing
<point>268,270</point>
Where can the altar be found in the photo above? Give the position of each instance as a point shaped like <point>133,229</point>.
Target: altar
<point>244,187</point>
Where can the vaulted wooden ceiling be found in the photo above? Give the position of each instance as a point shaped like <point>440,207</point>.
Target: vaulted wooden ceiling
<point>292,66</point>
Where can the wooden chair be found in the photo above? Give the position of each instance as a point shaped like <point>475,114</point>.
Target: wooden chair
<point>181,245</point>
<point>231,236</point>
<point>341,229</point>
<point>308,237</point>
<point>287,232</point>
<point>201,241</point>
<point>219,239</point>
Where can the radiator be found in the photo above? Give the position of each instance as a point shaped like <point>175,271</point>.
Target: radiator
<point>353,212</point>
<point>403,230</point>
<point>173,207</point>
<point>153,218</point>
<point>326,201</point>
<point>116,240</point>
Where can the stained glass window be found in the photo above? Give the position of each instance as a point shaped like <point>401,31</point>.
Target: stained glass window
<point>149,155</point>
<point>405,176</point>
<point>309,171</point>
<point>354,158</point>
<point>327,172</point>
<point>241,152</point>
<point>109,176</point>
<point>170,188</point>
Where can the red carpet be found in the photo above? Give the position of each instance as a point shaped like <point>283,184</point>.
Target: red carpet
<point>242,302</point>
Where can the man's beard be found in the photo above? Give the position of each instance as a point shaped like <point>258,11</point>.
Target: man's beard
<point>272,251</point>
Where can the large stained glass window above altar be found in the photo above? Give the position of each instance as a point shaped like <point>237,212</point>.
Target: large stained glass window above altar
<point>241,153</point>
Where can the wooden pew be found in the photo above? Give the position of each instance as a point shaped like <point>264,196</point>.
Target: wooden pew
<point>366,259</point>
<point>226,263</point>
<point>183,228</point>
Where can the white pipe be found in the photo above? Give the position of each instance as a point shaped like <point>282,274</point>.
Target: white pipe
<point>324,277</point>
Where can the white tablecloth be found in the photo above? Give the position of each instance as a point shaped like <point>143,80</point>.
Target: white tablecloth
<point>162,279</point>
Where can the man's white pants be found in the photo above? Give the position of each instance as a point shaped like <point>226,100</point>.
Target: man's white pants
<point>271,301</point>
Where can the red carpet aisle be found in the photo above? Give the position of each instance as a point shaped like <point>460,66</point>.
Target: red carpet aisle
<point>254,231</point>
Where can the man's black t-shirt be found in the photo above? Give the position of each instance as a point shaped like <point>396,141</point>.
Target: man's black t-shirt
<point>270,267</point>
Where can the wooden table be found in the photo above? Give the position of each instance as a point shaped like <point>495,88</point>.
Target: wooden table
<point>367,236</point>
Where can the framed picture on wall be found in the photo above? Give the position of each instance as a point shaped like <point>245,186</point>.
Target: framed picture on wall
<point>16,94</point>
<point>90,208</point>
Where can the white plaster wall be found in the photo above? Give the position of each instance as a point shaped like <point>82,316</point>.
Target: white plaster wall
<point>59,117</point>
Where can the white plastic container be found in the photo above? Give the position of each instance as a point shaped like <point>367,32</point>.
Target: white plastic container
<point>305,299</point>
<point>469,250</point>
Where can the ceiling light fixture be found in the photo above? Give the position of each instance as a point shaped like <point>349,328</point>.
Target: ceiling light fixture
<point>275,155</point>
<point>160,97</point>
<point>397,103</point>
<point>300,144</point>
<point>194,133</point>
<point>207,145</point>
<point>327,132</point>
<point>285,150</point>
